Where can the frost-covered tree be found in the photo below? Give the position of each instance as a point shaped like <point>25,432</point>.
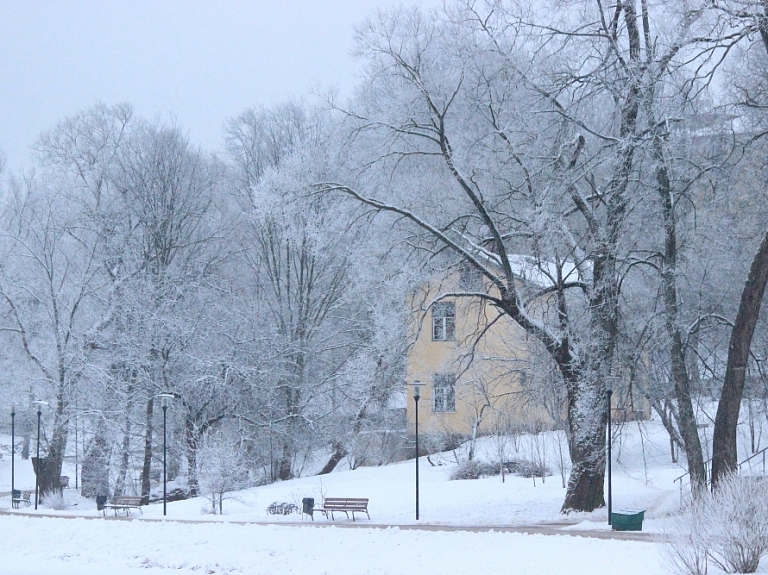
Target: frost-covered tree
<point>498,133</point>
<point>311,283</point>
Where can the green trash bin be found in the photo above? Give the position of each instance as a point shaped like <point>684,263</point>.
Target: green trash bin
<point>628,520</point>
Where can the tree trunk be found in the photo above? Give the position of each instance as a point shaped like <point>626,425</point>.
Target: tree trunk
<point>126,446</point>
<point>286,461</point>
<point>587,423</point>
<point>686,419</point>
<point>54,460</point>
<point>147,466</point>
<point>475,428</point>
<point>192,438</point>
<point>47,478</point>
<point>724,455</point>
<point>339,453</point>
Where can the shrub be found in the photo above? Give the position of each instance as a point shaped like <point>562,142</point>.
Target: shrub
<point>727,528</point>
<point>473,470</point>
<point>55,500</point>
<point>525,468</point>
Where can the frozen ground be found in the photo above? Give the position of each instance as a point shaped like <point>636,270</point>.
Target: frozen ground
<point>193,541</point>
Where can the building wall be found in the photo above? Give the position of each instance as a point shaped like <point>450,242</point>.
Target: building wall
<point>494,374</point>
<point>491,373</point>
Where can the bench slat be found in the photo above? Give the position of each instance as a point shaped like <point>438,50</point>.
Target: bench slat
<point>124,503</point>
<point>345,504</point>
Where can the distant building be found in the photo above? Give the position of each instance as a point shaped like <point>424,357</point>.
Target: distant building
<point>473,365</point>
<point>477,367</point>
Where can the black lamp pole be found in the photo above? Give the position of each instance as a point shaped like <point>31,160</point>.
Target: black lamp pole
<point>416,397</point>
<point>39,466</point>
<point>609,392</point>
<point>165,454</point>
<point>165,399</point>
<point>13,452</point>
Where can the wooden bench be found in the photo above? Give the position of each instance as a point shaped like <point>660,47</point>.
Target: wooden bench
<point>124,503</point>
<point>20,497</point>
<point>346,504</point>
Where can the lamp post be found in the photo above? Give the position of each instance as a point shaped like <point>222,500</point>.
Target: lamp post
<point>416,398</point>
<point>165,401</point>
<point>609,384</point>
<point>13,452</point>
<point>39,469</point>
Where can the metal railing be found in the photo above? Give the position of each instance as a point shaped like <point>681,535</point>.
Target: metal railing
<point>756,460</point>
<point>754,465</point>
<point>685,479</point>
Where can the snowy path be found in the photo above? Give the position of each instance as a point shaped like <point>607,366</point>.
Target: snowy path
<point>562,528</point>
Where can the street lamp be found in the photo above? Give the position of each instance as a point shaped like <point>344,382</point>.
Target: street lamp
<point>13,452</point>
<point>39,469</point>
<point>416,398</point>
<point>165,401</point>
<point>610,381</point>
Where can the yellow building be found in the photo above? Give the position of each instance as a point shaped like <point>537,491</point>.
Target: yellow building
<point>477,367</point>
<point>473,364</point>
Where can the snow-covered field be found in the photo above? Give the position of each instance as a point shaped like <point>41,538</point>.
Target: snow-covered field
<point>193,541</point>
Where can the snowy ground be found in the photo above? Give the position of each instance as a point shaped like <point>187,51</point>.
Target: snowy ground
<point>193,541</point>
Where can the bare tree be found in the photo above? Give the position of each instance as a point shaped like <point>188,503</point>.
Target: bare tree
<point>456,97</point>
<point>310,283</point>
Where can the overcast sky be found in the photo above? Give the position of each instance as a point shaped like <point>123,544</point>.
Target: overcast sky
<point>198,61</point>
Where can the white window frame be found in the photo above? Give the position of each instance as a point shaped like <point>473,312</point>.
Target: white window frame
<point>444,393</point>
<point>444,321</point>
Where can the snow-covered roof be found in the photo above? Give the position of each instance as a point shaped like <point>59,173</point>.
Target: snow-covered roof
<point>541,272</point>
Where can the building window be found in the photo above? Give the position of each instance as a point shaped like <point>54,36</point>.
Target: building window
<point>443,321</point>
<point>444,393</point>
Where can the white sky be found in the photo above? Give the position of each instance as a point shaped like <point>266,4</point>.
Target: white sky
<point>198,61</point>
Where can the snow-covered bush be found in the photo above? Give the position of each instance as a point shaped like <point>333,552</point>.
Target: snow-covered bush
<point>526,468</point>
<point>55,500</point>
<point>473,469</point>
<point>685,550</point>
<point>728,528</point>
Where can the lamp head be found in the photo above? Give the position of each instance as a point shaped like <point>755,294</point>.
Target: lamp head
<point>165,400</point>
<point>40,404</point>
<point>416,390</point>
<point>610,383</point>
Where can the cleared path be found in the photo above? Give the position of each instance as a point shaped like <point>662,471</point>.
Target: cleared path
<point>540,529</point>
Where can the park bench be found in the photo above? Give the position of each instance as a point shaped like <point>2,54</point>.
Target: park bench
<point>124,503</point>
<point>20,497</point>
<point>346,504</point>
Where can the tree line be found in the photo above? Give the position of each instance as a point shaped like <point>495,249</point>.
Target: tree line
<point>616,145</point>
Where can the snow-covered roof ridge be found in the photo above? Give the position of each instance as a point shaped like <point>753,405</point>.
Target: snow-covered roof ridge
<point>542,273</point>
